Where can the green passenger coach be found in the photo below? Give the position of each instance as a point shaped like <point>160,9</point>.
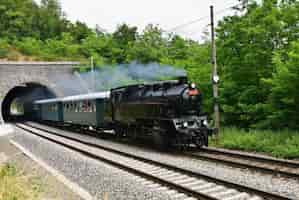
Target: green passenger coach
<point>89,110</point>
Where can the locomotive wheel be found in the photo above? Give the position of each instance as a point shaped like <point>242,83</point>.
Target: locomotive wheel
<point>160,140</point>
<point>201,141</point>
<point>119,132</point>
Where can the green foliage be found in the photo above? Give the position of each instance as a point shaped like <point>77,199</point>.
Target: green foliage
<point>247,44</point>
<point>257,54</point>
<point>124,36</point>
<point>284,144</point>
<point>4,48</point>
<point>149,47</point>
<point>65,47</point>
<point>16,18</point>
<point>16,185</point>
<point>284,97</point>
<point>51,22</point>
<point>30,46</point>
<point>79,31</point>
<point>7,170</point>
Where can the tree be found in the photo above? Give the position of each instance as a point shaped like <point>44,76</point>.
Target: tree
<point>284,97</point>
<point>150,46</point>
<point>79,31</point>
<point>17,17</point>
<point>246,44</point>
<point>177,48</point>
<point>123,37</point>
<point>51,21</point>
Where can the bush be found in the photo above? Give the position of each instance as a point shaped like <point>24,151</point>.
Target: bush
<point>15,185</point>
<point>284,144</point>
<point>4,48</point>
<point>30,46</point>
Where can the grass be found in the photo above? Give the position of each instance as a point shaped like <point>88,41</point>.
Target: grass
<point>15,185</point>
<point>282,144</point>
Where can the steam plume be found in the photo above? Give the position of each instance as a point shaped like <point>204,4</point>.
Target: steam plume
<point>109,77</point>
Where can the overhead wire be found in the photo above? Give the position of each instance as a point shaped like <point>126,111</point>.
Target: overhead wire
<point>180,26</point>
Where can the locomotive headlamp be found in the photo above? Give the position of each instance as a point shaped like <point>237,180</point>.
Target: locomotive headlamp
<point>185,124</point>
<point>205,122</point>
<point>216,79</point>
<point>193,85</point>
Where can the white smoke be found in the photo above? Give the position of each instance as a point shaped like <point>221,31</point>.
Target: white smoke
<point>109,77</point>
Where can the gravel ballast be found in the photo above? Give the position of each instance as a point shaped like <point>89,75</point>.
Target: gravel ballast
<point>272,183</point>
<point>101,180</point>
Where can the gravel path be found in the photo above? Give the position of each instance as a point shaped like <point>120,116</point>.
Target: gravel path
<point>46,185</point>
<point>279,185</point>
<point>101,180</point>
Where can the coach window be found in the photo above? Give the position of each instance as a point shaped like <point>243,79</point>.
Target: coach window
<point>94,107</point>
<point>79,106</point>
<point>76,107</point>
<point>116,98</point>
<point>87,106</point>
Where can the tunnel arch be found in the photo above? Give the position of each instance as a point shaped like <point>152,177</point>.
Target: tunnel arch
<point>17,74</point>
<point>26,93</point>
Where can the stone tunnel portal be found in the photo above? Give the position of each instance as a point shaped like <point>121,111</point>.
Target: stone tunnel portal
<point>23,95</point>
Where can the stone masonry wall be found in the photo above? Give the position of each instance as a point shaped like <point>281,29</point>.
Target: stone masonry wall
<point>13,74</point>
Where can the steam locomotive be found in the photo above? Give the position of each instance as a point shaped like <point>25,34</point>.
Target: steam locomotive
<point>167,112</point>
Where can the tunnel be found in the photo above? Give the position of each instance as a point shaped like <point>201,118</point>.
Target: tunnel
<point>17,104</point>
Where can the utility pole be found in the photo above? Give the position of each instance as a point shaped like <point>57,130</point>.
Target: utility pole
<point>215,77</point>
<point>1,119</point>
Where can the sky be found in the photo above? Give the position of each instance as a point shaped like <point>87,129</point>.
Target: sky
<point>165,13</point>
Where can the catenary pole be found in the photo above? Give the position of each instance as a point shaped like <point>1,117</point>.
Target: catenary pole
<point>1,119</point>
<point>215,77</point>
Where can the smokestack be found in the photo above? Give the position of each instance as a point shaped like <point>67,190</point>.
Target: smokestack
<point>183,79</point>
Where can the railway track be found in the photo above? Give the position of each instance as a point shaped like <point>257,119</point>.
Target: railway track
<point>250,161</point>
<point>185,184</point>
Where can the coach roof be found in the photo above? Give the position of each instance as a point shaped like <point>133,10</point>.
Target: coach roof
<point>97,95</point>
<point>47,101</point>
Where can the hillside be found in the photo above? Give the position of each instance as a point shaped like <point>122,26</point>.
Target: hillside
<point>258,54</point>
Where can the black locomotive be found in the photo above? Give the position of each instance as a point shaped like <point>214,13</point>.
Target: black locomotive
<point>166,112</point>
